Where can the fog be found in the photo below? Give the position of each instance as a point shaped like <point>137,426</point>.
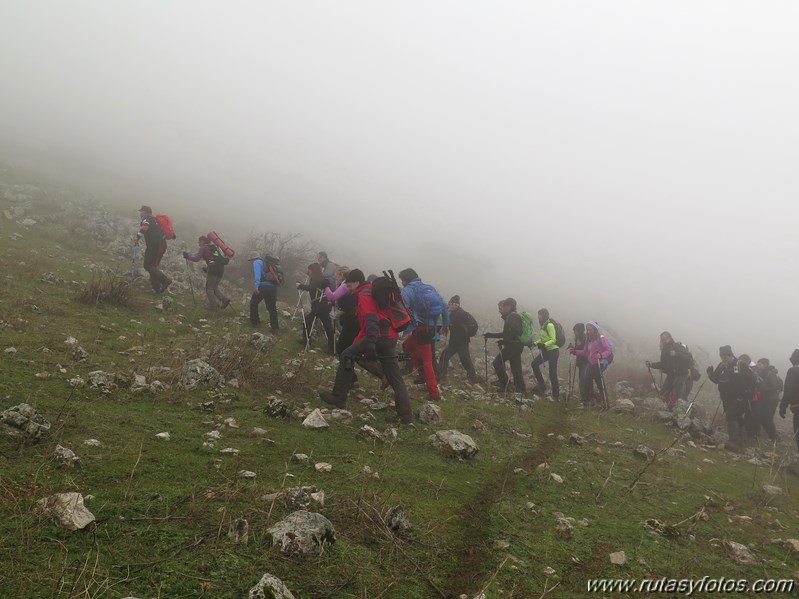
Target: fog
<point>631,162</point>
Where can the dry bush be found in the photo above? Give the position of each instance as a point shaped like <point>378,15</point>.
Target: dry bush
<point>294,250</point>
<point>108,289</point>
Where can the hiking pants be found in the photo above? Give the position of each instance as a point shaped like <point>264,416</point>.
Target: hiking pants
<point>586,384</point>
<point>738,414</point>
<point>673,388</point>
<point>152,259</point>
<point>796,427</point>
<point>267,293</point>
<point>422,357</point>
<point>462,351</point>
<point>595,377</point>
<point>686,389</point>
<point>513,354</point>
<point>550,356</point>
<point>320,310</point>
<point>387,357</point>
<point>212,292</point>
<point>763,415</point>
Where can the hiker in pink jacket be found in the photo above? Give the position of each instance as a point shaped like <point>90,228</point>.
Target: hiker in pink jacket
<point>600,354</point>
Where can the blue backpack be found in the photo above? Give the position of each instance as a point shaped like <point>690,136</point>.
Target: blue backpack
<point>427,303</point>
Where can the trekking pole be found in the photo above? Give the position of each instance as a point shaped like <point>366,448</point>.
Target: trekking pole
<point>571,380</point>
<point>485,357</point>
<point>715,414</point>
<point>604,387</point>
<point>191,284</point>
<point>649,368</point>
<point>300,293</point>
<point>691,405</point>
<point>133,264</point>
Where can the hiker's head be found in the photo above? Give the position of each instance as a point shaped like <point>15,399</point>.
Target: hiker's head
<point>543,315</point>
<point>371,278</point>
<point>592,329</point>
<point>665,338</point>
<point>253,256</point>
<point>506,306</point>
<point>579,330</point>
<point>202,240</point>
<point>744,361</point>
<point>314,270</point>
<point>726,355</point>
<point>454,303</point>
<point>794,359</point>
<point>354,279</point>
<point>145,211</point>
<point>321,258</point>
<point>341,273</point>
<point>407,275</point>
<point>762,365</point>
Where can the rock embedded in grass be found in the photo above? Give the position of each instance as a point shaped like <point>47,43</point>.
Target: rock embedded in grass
<point>453,443</point>
<point>67,510</point>
<point>302,533</point>
<point>270,587</point>
<point>315,420</point>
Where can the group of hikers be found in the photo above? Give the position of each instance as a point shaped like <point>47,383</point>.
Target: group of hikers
<point>373,314</point>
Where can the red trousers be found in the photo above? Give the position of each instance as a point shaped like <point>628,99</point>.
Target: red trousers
<point>422,356</point>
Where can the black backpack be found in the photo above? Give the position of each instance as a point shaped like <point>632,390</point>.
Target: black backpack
<point>272,273</point>
<point>218,256</point>
<point>471,324</point>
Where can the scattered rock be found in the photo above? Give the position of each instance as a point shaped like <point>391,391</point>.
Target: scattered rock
<point>453,443</point>
<point>642,451</point>
<point>430,413</point>
<point>10,350</point>
<point>198,374</point>
<point>302,533</point>
<point>315,420</point>
<point>258,432</point>
<point>740,554</point>
<point>339,414</point>
<point>618,558</point>
<point>213,435</point>
<point>139,384</point>
<point>163,436</point>
<point>370,434</point>
<point>23,421</point>
<point>230,451</point>
<point>323,467</point>
<point>67,510</point>
<point>397,520</point>
<point>624,405</point>
<point>792,545</point>
<point>231,423</point>
<point>270,587</point>
<point>564,528</point>
<point>300,457</point>
<point>66,457</point>
<point>575,439</point>
<point>298,498</point>
<point>261,341</point>
<point>92,443</point>
<point>772,491</point>
<point>556,477</point>
<point>549,571</point>
<point>501,544</point>
<point>479,426</point>
<point>99,379</point>
<point>247,474</point>
<point>239,531</point>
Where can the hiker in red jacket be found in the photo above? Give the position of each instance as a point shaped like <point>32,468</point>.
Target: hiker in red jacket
<point>376,342</point>
<point>155,241</point>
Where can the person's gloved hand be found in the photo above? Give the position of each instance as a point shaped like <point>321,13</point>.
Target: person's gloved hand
<point>371,352</point>
<point>648,364</point>
<point>709,370</point>
<point>186,255</point>
<point>782,412</point>
<point>541,346</point>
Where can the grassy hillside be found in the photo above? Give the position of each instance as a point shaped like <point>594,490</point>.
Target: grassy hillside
<point>164,508</point>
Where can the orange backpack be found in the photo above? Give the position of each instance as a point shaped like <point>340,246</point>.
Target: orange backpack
<point>166,225</point>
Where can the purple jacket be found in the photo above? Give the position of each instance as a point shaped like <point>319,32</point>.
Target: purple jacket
<point>340,292</point>
<point>203,253</point>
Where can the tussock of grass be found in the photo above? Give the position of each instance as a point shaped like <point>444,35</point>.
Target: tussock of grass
<point>107,289</point>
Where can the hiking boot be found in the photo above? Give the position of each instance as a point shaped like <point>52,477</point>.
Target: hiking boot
<point>473,380</point>
<point>333,400</point>
<point>397,419</point>
<point>224,304</point>
<point>539,389</point>
<point>165,285</point>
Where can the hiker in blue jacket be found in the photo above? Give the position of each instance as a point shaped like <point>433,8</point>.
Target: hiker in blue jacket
<point>267,275</point>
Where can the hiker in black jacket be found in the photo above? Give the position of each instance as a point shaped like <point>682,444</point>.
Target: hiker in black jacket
<point>462,327</point>
<point>155,240</point>
<point>675,362</point>
<point>790,394</point>
<point>767,397</point>
<point>510,348</point>
<point>320,307</point>
<point>736,384</point>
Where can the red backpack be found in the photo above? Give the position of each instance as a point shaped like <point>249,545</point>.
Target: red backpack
<point>166,225</point>
<point>387,294</point>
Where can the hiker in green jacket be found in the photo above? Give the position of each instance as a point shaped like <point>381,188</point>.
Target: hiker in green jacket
<point>547,343</point>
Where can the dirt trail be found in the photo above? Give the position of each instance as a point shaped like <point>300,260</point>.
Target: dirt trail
<point>473,550</point>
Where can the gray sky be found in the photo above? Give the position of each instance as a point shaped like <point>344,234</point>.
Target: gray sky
<point>632,162</point>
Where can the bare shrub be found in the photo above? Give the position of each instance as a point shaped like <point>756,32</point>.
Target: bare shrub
<point>294,250</point>
<point>107,289</point>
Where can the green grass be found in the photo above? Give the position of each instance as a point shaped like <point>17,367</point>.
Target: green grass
<point>163,508</point>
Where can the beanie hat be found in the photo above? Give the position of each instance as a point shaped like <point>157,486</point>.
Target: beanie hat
<point>455,299</point>
<point>726,350</point>
<point>580,327</point>
<point>593,324</point>
<point>146,209</point>
<point>355,276</point>
<point>795,357</point>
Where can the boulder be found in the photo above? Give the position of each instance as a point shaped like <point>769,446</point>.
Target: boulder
<point>99,379</point>
<point>430,413</point>
<point>66,457</point>
<point>23,421</point>
<point>198,374</point>
<point>740,554</point>
<point>270,587</point>
<point>302,533</point>
<point>67,510</point>
<point>315,420</point>
<point>453,443</point>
